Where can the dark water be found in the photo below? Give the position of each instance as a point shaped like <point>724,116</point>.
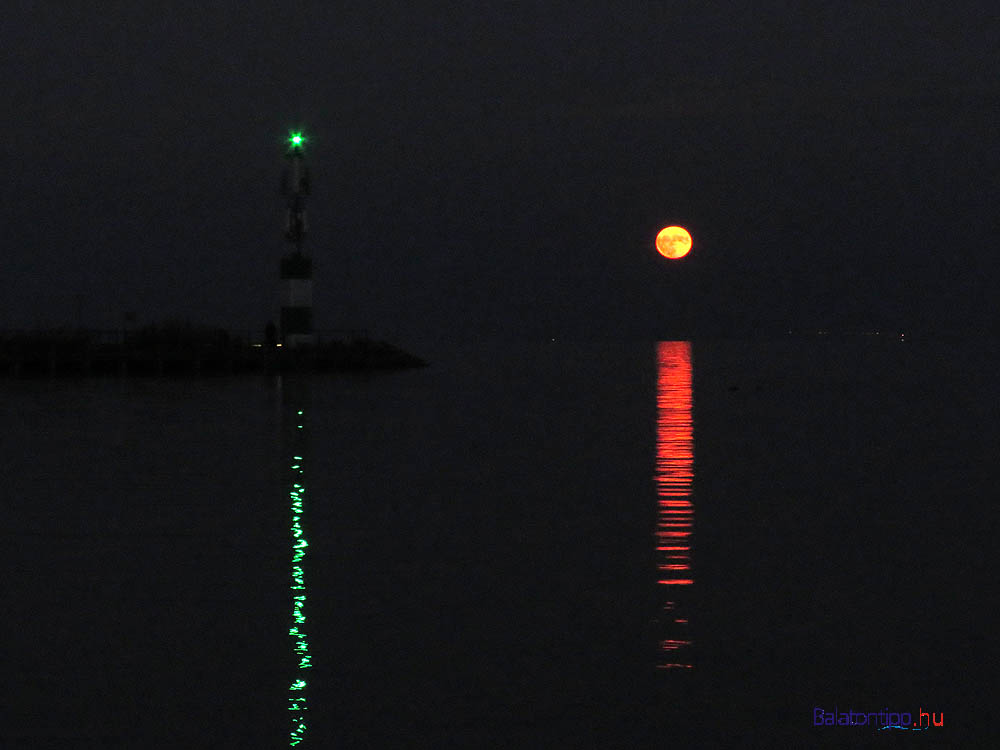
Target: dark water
<point>596,545</point>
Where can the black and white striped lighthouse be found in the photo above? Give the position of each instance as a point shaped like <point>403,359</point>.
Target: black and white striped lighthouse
<point>296,266</point>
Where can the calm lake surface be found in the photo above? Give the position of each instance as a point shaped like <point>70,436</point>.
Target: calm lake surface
<point>555,545</point>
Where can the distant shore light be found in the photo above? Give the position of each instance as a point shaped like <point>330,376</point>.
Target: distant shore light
<point>673,242</point>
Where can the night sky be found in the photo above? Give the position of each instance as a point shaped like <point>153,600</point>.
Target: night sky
<point>500,170</point>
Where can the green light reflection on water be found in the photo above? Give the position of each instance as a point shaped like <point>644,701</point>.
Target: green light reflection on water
<point>297,704</point>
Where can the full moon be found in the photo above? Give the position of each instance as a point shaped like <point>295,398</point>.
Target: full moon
<point>673,242</point>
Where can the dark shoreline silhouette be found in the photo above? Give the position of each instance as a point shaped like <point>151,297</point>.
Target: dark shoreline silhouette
<point>184,349</point>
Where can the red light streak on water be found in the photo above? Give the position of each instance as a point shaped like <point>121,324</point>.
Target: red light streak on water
<point>673,479</point>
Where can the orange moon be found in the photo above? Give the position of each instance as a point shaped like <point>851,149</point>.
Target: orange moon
<point>673,242</point>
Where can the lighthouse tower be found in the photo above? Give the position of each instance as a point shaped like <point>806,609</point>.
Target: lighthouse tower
<point>296,267</point>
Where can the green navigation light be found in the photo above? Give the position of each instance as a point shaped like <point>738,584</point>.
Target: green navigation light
<point>296,140</point>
